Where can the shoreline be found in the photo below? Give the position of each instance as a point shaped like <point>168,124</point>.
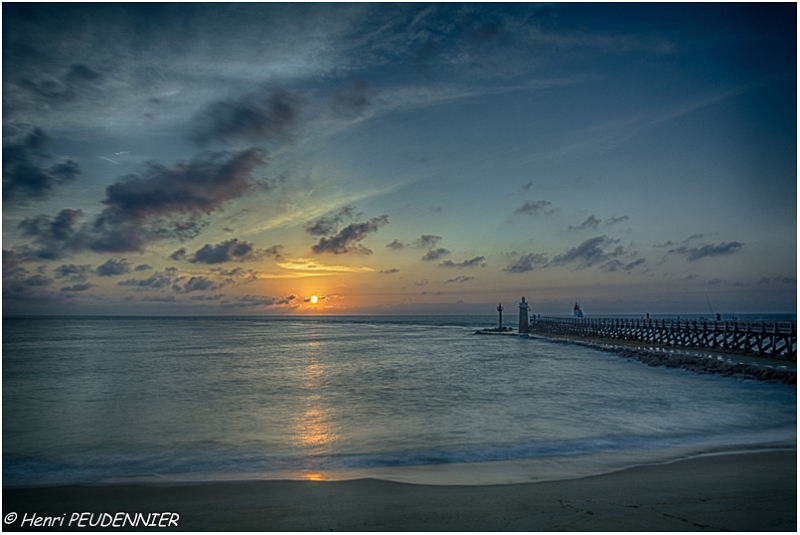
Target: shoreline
<point>752,491</point>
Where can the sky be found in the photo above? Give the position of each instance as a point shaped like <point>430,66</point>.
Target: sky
<point>167,159</point>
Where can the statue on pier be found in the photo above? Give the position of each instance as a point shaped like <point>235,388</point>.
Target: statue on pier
<point>500,310</point>
<point>524,326</point>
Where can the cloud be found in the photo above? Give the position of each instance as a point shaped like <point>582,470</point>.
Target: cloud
<point>38,280</point>
<point>75,273</point>
<point>228,251</point>
<point>26,173</point>
<point>143,267</point>
<point>590,252</point>
<point>778,280</point>
<point>160,196</point>
<point>198,284</point>
<point>435,254</point>
<point>261,116</point>
<point>427,241</point>
<point>472,262</point>
<point>670,243</point>
<point>351,101</point>
<point>527,262</point>
<point>312,266</point>
<point>319,298</point>
<point>347,240</point>
<point>696,253</point>
<point>390,271</point>
<point>540,207</point>
<point>591,223</point>
<point>67,88</point>
<point>161,203</point>
<point>325,226</point>
<point>57,237</point>
<point>396,245</point>
<point>80,287</point>
<point>156,281</point>
<point>614,265</point>
<point>215,297</point>
<point>615,220</point>
<point>459,279</point>
<point>256,301</point>
<point>113,267</point>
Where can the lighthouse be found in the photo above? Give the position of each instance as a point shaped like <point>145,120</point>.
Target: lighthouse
<point>523,317</point>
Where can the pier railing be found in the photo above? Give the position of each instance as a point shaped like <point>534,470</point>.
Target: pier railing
<point>776,340</point>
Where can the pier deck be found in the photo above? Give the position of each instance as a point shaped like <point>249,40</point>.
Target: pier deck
<point>777,340</point>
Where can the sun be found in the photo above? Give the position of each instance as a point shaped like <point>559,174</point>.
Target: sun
<point>314,299</point>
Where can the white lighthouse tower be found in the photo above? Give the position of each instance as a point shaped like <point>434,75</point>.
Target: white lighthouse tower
<point>524,326</point>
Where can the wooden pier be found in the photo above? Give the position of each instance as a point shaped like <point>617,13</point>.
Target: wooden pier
<point>777,340</point>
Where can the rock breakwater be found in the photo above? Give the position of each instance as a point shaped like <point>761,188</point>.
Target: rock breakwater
<point>699,363</point>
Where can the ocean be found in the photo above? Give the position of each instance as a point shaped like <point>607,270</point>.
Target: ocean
<point>92,400</point>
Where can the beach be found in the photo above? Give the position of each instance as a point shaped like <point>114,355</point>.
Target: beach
<point>754,491</point>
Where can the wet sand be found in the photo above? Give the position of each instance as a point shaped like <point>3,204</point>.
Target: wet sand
<point>737,492</point>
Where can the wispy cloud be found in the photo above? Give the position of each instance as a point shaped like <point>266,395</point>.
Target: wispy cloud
<point>696,253</point>
<point>307,265</point>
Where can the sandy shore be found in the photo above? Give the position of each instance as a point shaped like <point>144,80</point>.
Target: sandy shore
<point>738,492</point>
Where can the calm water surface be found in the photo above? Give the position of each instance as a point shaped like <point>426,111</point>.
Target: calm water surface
<point>99,399</point>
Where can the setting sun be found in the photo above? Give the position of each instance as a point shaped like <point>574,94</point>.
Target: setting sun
<point>314,299</point>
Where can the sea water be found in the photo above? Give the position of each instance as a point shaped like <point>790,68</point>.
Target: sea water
<point>101,399</point>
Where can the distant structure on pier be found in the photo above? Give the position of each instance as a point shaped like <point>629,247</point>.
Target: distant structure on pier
<point>576,310</point>
<point>500,311</point>
<point>524,325</point>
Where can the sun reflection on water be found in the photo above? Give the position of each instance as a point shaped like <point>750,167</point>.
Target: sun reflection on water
<point>314,427</point>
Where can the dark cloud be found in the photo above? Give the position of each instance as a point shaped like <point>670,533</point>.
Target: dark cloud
<point>38,280</point>
<point>670,243</point>
<point>591,223</point>
<point>778,280</point>
<point>26,173</point>
<point>347,240</point>
<point>62,89</point>
<point>228,251</point>
<point>56,237</point>
<point>113,267</point>
<point>427,241</point>
<point>75,273</point>
<point>261,116</point>
<point>435,254</point>
<point>591,252</point>
<point>80,287</point>
<point>527,262</point>
<point>79,74</point>
<point>615,220</point>
<point>696,253</point>
<point>535,208</point>
<point>197,284</point>
<point>319,298</point>
<point>160,203</point>
<point>472,262</point>
<point>180,254</point>
<point>147,207</point>
<point>351,101</point>
<point>156,281</point>
<point>216,297</point>
<point>254,301</point>
<point>390,271</point>
<point>325,226</point>
<point>459,280</point>
<point>143,267</point>
<point>615,265</point>
<point>396,245</point>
